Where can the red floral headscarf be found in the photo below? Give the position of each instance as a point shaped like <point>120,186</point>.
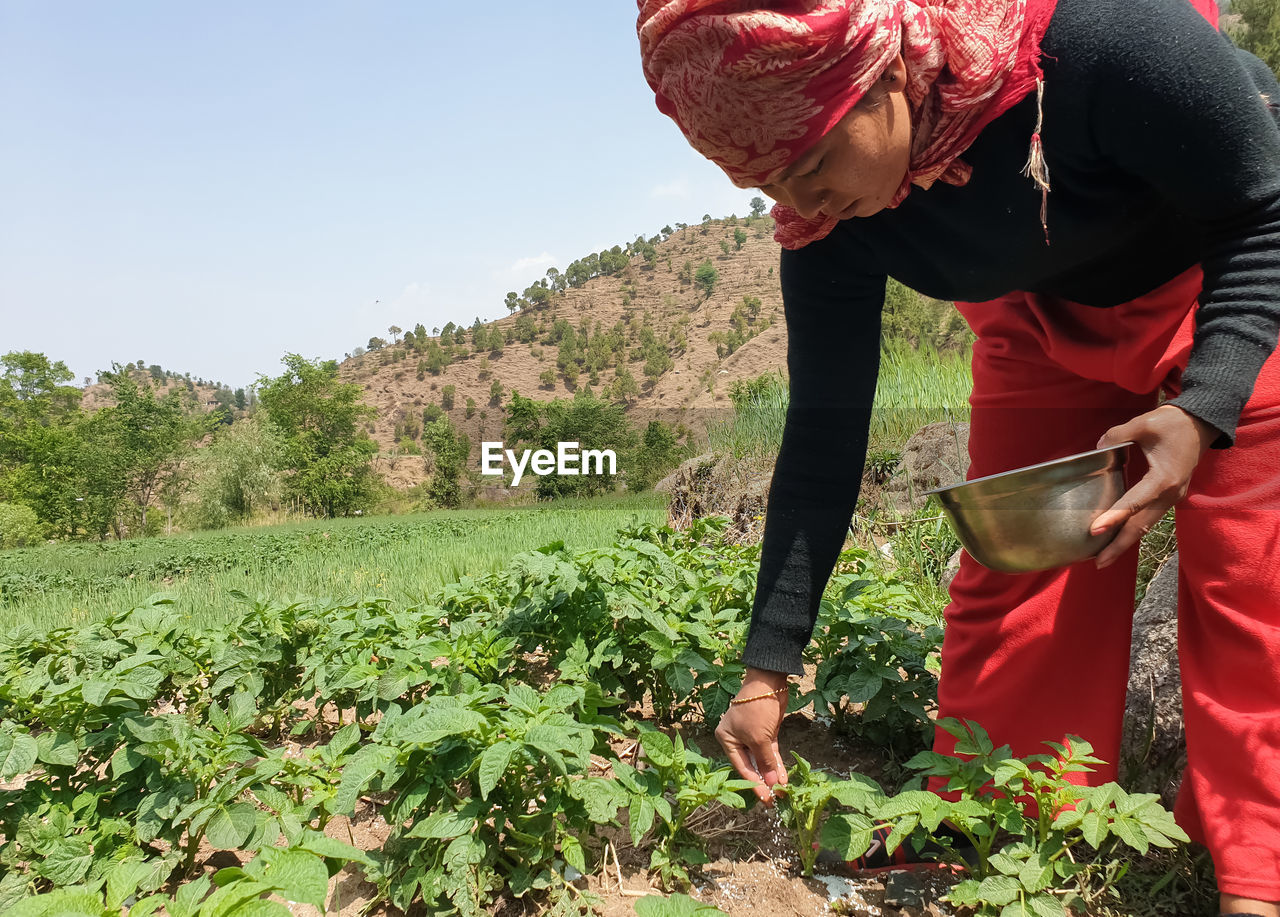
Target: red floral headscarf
<point>752,89</point>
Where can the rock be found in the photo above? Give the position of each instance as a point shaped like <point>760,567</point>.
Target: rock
<point>903,889</point>
<point>1153,750</point>
<point>711,485</point>
<point>687,469</point>
<point>935,456</point>
<point>952,568</point>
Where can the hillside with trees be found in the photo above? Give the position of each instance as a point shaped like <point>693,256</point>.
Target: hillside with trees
<point>662,327</point>
<point>635,348</point>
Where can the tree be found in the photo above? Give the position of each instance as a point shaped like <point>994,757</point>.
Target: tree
<point>1259,29</point>
<point>327,452</point>
<point>394,331</point>
<point>495,392</point>
<point>132,450</point>
<point>512,302</point>
<point>658,453</point>
<point>584,419</point>
<point>705,277</point>
<point>238,473</point>
<point>39,455</point>
<point>739,237</point>
<point>376,343</point>
<point>448,449</point>
<point>446,396</point>
<point>757,206</point>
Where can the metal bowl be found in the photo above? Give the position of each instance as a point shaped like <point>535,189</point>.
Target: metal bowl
<point>1037,517</point>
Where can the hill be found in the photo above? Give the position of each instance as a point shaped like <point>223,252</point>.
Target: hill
<point>695,329</point>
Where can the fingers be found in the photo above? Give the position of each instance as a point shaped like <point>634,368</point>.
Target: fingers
<point>738,757</point>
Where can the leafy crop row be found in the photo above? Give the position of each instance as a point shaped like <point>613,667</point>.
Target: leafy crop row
<point>486,727</point>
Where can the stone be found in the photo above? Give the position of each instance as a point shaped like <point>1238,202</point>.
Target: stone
<point>937,455</point>
<point>1153,751</point>
<point>903,889</point>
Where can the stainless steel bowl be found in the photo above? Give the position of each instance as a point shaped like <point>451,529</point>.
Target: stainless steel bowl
<point>1038,517</point>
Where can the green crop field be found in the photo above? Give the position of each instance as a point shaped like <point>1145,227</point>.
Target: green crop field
<point>400,558</point>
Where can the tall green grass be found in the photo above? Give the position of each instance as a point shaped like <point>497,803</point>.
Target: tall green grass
<point>916,386</point>
<point>403,557</point>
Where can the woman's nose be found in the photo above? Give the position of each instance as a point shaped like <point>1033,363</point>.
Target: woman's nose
<point>809,205</point>
<point>807,201</point>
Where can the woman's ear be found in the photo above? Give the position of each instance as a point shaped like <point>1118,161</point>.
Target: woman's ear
<point>894,77</point>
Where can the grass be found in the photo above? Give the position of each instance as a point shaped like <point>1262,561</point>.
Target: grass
<point>916,386</point>
<point>403,558</point>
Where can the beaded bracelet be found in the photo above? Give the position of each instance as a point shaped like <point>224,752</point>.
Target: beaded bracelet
<point>747,700</point>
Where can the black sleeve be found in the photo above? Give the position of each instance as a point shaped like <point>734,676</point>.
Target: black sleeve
<point>1180,108</point>
<point>833,357</point>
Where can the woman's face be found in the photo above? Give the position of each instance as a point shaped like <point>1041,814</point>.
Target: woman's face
<point>858,165</point>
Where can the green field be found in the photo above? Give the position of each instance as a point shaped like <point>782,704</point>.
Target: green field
<point>401,558</point>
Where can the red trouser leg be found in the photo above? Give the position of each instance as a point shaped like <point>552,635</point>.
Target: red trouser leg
<point>1039,656</point>
<point>1043,655</point>
<point>1229,649</point>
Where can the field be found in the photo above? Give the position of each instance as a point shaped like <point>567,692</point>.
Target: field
<point>401,558</point>
<point>510,711</point>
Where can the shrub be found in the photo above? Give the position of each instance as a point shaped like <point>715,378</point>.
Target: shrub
<point>19,526</point>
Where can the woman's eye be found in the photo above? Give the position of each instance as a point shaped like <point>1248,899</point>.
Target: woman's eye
<point>816,169</point>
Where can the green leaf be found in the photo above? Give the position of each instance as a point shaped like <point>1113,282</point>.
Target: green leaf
<point>58,749</point>
<point>68,862</point>
<point>601,797</point>
<point>964,893</point>
<point>230,826</point>
<point>124,878</point>
<point>658,748</point>
<point>1004,864</point>
<point>241,712</point>
<point>1014,909</point>
<point>298,875</point>
<point>447,823</point>
<point>445,717</point>
<point>343,740</point>
<point>365,764</point>
<point>675,906</point>
<point>1035,875</point>
<point>186,899</point>
<point>1094,828</point>
<point>998,889</point>
<point>848,834</point>
<point>18,752</point>
<point>862,685</point>
<point>1047,906</point>
<point>466,850</point>
<point>571,850</point>
<point>493,765</point>
<point>325,846</point>
<point>1131,834</point>
<point>61,902</point>
<point>641,818</point>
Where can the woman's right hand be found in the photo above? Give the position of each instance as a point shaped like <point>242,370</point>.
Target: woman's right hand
<point>749,732</point>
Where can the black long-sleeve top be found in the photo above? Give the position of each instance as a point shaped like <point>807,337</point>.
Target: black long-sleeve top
<point>1163,152</point>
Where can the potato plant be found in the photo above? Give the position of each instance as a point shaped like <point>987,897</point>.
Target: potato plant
<point>479,721</point>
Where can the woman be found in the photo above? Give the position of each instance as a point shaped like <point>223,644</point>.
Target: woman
<point>1096,183</point>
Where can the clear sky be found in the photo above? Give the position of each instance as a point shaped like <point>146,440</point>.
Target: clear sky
<point>208,186</point>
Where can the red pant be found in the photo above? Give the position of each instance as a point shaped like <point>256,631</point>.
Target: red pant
<point>1038,656</point>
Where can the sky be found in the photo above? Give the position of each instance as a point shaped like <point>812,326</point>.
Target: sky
<point>208,187</point>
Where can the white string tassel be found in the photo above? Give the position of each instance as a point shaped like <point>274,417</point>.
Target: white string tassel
<point>1037,169</point>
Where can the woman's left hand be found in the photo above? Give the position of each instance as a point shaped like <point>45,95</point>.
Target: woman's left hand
<point>1173,442</point>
